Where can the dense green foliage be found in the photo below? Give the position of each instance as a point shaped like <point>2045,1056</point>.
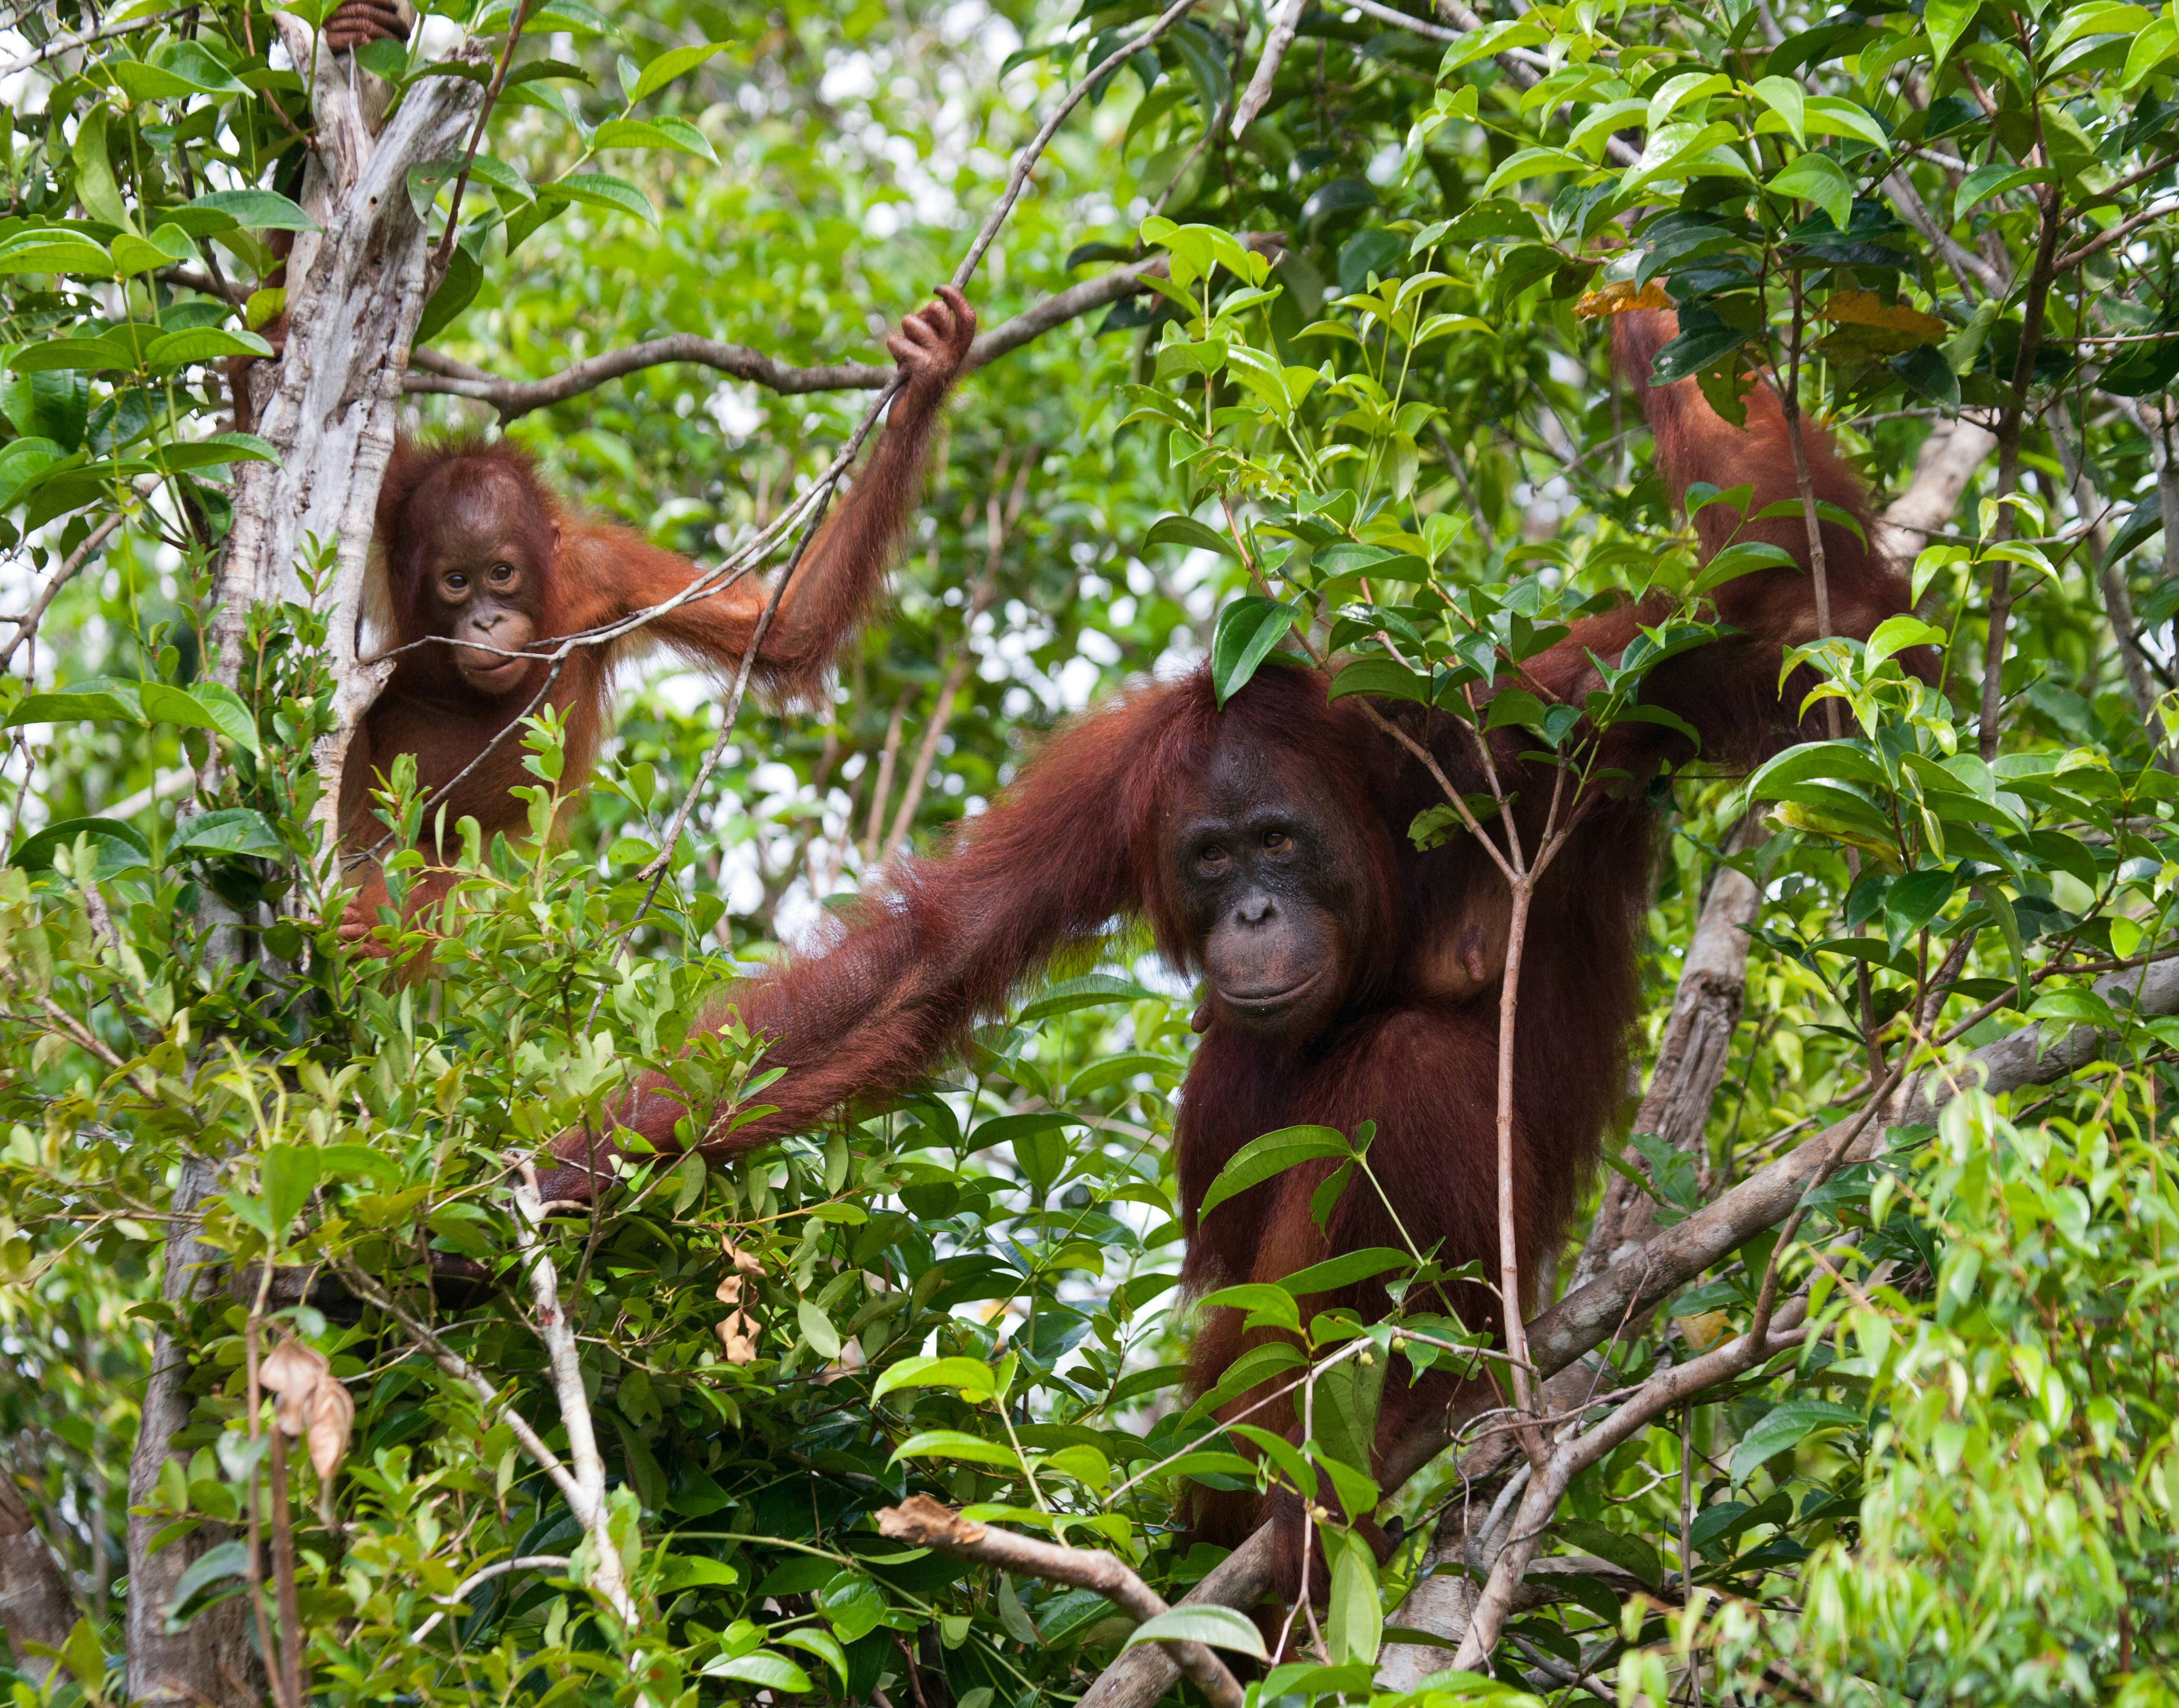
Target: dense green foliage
<point>1397,443</point>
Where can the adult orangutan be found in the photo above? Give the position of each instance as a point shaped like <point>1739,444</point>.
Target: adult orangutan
<point>485,568</point>
<point>1351,977</point>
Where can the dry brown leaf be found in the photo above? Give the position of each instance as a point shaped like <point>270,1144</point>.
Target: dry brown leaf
<point>745,1265</point>
<point>1620,298</point>
<point>294,1371</point>
<point>738,1338</point>
<point>333,1416</point>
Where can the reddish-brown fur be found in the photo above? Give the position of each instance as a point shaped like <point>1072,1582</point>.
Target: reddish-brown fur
<point>1081,839</point>
<point>582,574</point>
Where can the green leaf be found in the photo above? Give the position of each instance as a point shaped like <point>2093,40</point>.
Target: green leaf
<point>1355,1623</point>
<point>1344,1270</point>
<point>1911,903</point>
<point>1247,629</point>
<point>817,1329</point>
<point>255,210</point>
<point>603,190</point>
<point>1192,1622</point>
<point>669,65</point>
<point>953,1444</point>
<point>203,344</point>
<point>229,830</point>
<point>1786,98</point>
<point>205,707</point>
<point>1786,1426</point>
<point>115,847</point>
<point>1091,990</point>
<point>822,1643</point>
<point>214,1565</point>
<point>1273,1154</point>
<point>972,1378</point>
<point>763,1668</point>
<point>1269,1306</point>
<point>1816,178</point>
<point>1946,22</point>
<point>694,1571</point>
<point>215,453</point>
<point>1196,536</point>
<point>286,1175</point>
<point>55,252</point>
<point>1382,677</point>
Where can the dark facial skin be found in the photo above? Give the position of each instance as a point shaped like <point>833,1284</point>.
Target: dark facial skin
<point>1264,873</point>
<point>481,584</point>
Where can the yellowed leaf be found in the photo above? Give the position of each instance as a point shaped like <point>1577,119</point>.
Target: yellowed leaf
<point>1622,298</point>
<point>1704,1329</point>
<point>1867,309</point>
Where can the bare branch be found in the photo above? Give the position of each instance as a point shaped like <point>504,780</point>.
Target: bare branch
<point>512,398</point>
<point>67,44</point>
<point>1947,463</point>
<point>520,1563</point>
<point>28,625</point>
<point>1277,42</point>
<point>925,1524</point>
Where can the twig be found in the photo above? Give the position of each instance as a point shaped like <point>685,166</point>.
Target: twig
<point>1276,41</point>
<point>550,1322</point>
<point>66,43</point>
<point>27,626</point>
<point>452,1364</point>
<point>435,269</point>
<point>821,496</point>
<point>521,1562</point>
<point>1399,20</point>
<point>2125,228</point>
<point>923,1523</point>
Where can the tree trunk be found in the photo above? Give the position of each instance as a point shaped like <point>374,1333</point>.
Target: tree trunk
<point>35,1604</point>
<point>356,289</point>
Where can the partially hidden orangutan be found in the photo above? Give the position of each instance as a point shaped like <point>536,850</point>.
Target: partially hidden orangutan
<point>1351,977</point>
<point>485,569</point>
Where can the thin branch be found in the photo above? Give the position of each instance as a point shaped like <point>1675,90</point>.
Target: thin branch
<point>68,43</point>
<point>27,626</point>
<point>436,268</point>
<point>514,398</point>
<point>1276,41</point>
<point>923,1523</point>
<point>520,1563</point>
<point>2118,233</point>
<point>452,1364</point>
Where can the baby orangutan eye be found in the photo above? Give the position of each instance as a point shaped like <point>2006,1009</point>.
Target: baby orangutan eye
<point>502,574</point>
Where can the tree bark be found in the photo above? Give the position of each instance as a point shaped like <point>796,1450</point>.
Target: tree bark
<point>211,1660</point>
<point>36,1604</point>
<point>358,288</point>
<point>1691,1063</point>
<point>1948,461</point>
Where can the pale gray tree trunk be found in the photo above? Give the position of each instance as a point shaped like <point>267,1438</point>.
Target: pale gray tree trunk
<point>356,289</point>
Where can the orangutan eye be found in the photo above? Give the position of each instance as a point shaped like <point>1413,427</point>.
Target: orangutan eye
<point>456,582</point>
<point>1276,842</point>
<point>1211,858</point>
<point>502,574</point>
